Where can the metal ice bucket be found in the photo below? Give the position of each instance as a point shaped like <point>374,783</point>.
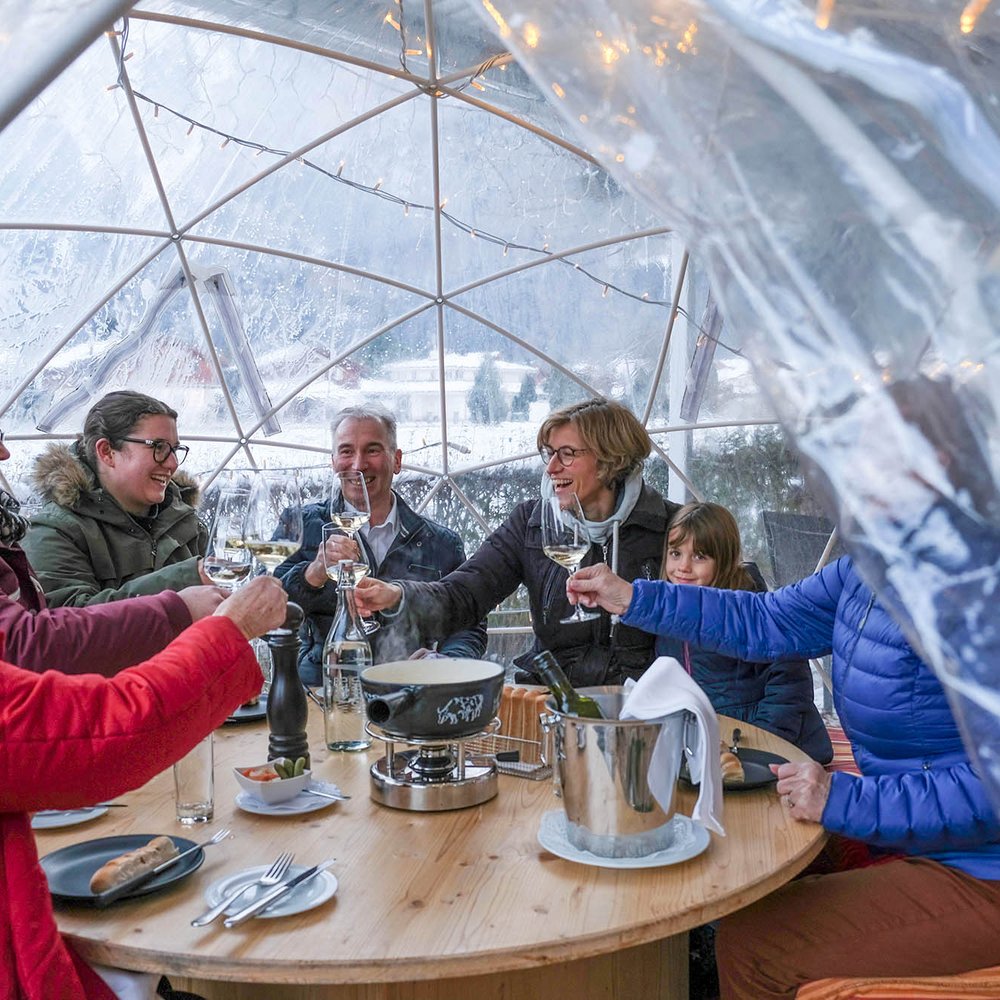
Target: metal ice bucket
<point>602,770</point>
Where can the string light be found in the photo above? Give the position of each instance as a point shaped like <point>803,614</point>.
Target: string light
<point>970,15</point>
<point>377,190</point>
<point>824,13</point>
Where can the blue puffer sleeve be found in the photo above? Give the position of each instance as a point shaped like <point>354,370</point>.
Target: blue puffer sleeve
<point>795,621</point>
<point>916,812</point>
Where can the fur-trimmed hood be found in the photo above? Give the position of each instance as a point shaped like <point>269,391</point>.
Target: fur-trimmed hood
<point>62,477</point>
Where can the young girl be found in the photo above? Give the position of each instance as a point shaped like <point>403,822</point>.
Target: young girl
<point>703,550</point>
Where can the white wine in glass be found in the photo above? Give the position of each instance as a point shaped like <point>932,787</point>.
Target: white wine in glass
<point>228,563</point>
<point>273,529</point>
<point>566,541</point>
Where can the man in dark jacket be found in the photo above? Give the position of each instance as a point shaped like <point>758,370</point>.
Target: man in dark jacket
<point>399,544</point>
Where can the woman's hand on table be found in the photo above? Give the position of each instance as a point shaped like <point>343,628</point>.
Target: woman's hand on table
<point>337,547</point>
<point>804,788</point>
<point>256,608</point>
<point>598,585</point>
<point>372,595</point>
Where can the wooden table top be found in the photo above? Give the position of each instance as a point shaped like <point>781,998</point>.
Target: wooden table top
<point>421,895</point>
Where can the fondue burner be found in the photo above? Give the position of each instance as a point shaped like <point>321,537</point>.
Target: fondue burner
<point>432,776</point>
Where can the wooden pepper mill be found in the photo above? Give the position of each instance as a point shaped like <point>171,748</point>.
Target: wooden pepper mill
<point>287,708</point>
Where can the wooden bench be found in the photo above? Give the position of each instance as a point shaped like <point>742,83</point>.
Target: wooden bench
<point>981,984</point>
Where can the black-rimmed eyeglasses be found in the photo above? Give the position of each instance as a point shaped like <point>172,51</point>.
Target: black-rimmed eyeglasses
<point>567,455</point>
<point>162,450</point>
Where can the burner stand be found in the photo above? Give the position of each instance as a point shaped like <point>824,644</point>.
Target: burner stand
<point>431,777</point>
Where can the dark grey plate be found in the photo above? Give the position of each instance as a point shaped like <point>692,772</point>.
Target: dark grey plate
<point>755,768</point>
<point>248,713</point>
<point>69,869</point>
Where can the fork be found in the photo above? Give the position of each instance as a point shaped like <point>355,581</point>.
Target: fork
<point>272,876</point>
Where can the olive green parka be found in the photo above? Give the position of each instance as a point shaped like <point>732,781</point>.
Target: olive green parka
<point>86,549</point>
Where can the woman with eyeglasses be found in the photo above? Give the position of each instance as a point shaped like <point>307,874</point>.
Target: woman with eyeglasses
<point>118,520</point>
<point>594,449</point>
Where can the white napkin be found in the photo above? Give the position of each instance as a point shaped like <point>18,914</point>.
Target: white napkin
<point>664,688</point>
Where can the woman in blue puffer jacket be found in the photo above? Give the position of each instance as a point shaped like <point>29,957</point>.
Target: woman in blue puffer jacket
<point>930,902</point>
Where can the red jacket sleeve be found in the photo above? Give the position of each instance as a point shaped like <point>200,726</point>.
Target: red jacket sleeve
<point>101,639</point>
<point>69,741</point>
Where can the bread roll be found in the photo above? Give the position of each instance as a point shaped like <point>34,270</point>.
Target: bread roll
<point>732,769</point>
<point>142,859</point>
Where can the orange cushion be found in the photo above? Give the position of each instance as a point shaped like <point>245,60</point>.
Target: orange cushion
<point>843,757</point>
<point>982,984</point>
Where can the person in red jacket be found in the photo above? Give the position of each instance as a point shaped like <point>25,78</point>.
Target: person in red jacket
<point>68,741</point>
<point>101,639</point>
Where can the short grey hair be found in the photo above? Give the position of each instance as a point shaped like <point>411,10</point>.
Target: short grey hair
<point>368,411</point>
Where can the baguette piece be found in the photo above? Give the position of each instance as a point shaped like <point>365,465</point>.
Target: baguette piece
<point>732,768</point>
<point>142,859</point>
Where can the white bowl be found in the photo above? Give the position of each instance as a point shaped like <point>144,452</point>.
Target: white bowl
<point>275,790</point>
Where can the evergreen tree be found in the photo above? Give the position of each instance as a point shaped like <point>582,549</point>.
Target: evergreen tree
<point>520,405</point>
<point>486,402</point>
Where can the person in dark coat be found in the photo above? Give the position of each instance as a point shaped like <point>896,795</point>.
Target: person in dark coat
<point>594,449</point>
<point>703,550</point>
<point>398,542</point>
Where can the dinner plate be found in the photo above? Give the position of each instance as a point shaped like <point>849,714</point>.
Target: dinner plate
<point>689,840</point>
<point>248,713</point>
<point>303,897</point>
<point>302,803</point>
<point>51,819</point>
<point>69,869</point>
<point>756,770</point>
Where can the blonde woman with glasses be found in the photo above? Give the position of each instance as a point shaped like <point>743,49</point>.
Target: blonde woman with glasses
<point>595,450</point>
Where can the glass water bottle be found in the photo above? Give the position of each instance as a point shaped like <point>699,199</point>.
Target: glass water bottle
<point>345,654</point>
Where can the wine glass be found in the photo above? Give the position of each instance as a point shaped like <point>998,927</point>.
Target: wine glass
<point>273,527</point>
<point>350,511</point>
<point>565,540</point>
<point>228,562</point>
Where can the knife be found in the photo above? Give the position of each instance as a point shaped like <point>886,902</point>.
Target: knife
<point>276,893</point>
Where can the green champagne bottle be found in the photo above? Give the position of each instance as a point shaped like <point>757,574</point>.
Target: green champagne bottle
<point>568,700</point>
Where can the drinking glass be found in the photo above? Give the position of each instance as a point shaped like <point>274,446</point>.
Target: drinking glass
<point>273,527</point>
<point>349,507</point>
<point>228,562</point>
<point>360,565</point>
<point>350,511</point>
<point>194,784</point>
<point>565,540</point>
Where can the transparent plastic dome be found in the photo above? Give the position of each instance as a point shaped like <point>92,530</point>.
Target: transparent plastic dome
<point>264,213</point>
<point>754,223</point>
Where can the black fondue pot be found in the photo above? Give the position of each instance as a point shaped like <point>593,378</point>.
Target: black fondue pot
<point>445,699</point>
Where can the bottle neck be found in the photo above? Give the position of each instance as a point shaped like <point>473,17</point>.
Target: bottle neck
<point>347,612</point>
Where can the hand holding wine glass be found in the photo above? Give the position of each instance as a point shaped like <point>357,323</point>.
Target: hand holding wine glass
<point>350,511</point>
<point>566,541</point>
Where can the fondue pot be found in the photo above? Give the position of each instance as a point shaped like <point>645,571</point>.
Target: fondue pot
<point>444,699</point>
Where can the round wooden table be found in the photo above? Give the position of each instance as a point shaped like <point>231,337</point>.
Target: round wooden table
<point>431,906</point>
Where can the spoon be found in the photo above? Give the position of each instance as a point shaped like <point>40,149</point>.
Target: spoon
<point>327,795</point>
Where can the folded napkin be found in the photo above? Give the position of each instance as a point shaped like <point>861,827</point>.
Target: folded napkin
<point>664,688</point>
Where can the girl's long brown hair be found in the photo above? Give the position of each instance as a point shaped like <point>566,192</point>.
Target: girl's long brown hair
<point>716,535</point>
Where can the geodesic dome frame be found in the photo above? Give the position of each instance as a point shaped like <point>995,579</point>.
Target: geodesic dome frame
<point>406,219</point>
